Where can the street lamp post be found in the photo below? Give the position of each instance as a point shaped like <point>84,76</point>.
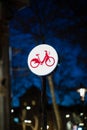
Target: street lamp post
<point>82,92</point>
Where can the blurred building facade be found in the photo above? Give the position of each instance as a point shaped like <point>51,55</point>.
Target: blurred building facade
<point>4,69</point>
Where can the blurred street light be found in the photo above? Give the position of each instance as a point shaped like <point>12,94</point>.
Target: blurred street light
<point>82,92</point>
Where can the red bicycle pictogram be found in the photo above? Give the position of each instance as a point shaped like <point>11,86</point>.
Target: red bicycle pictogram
<point>48,60</point>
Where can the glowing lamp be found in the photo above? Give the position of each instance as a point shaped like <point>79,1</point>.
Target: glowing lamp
<point>82,92</point>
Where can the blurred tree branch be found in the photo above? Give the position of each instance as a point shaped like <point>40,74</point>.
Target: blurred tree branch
<point>55,106</point>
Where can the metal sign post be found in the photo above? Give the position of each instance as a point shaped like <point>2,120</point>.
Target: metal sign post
<point>42,60</point>
<point>44,104</point>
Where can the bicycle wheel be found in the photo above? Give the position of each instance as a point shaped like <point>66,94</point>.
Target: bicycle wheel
<point>34,63</point>
<point>50,62</point>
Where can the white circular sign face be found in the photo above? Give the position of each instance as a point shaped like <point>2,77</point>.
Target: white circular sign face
<point>42,59</point>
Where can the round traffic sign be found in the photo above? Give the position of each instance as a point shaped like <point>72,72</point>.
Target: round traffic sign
<point>42,59</point>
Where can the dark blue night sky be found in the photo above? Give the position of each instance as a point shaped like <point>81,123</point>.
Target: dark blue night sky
<point>62,25</point>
